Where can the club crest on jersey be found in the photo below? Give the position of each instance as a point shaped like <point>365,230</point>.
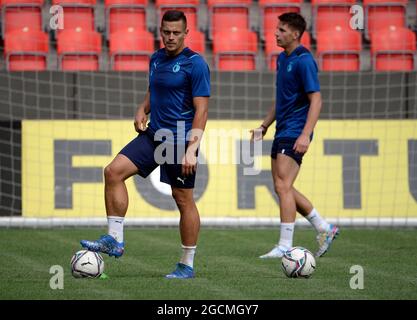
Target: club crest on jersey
<point>176,67</point>
<point>289,67</point>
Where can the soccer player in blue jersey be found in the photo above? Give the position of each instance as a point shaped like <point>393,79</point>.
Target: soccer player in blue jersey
<point>177,98</point>
<point>296,111</point>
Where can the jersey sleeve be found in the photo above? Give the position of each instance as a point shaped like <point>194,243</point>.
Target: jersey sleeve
<point>200,78</point>
<point>309,74</point>
<point>151,61</point>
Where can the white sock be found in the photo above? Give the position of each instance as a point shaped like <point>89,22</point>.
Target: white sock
<point>317,221</point>
<point>116,227</point>
<point>286,235</point>
<point>188,253</point>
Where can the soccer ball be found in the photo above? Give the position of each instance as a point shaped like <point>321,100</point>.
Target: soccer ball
<point>298,262</point>
<point>87,264</point>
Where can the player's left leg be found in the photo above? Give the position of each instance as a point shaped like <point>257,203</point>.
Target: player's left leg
<point>116,201</point>
<point>326,232</point>
<point>135,158</point>
<point>189,229</point>
<point>307,210</point>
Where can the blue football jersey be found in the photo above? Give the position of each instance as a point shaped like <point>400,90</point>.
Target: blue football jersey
<point>173,82</point>
<point>297,75</point>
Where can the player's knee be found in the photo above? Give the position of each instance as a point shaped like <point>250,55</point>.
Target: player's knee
<point>181,197</point>
<point>281,187</point>
<point>111,174</point>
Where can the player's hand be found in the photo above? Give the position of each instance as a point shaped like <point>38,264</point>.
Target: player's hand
<point>301,144</point>
<point>257,134</point>
<point>189,163</point>
<point>140,120</point>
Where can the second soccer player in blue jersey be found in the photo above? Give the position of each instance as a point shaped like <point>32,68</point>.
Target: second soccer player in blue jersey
<point>296,111</point>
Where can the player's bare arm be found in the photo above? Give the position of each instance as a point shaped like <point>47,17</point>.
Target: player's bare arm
<point>141,117</point>
<point>189,163</point>
<point>269,119</point>
<point>303,141</point>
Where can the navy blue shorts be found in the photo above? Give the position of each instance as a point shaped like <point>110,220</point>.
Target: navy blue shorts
<point>141,152</point>
<point>285,146</point>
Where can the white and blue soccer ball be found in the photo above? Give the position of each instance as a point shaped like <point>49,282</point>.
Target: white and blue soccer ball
<point>298,262</point>
<point>87,264</point>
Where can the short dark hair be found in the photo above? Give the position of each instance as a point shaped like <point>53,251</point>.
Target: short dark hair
<point>294,20</point>
<point>174,15</point>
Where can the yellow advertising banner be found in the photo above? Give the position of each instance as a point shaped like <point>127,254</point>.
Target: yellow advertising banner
<point>353,168</point>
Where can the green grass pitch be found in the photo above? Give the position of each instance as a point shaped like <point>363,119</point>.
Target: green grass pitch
<point>227,265</point>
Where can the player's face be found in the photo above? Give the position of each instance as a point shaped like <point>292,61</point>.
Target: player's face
<point>285,35</point>
<point>173,34</point>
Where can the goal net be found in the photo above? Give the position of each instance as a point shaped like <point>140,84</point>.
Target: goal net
<point>59,130</point>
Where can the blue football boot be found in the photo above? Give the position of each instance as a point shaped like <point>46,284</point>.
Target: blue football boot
<point>182,271</point>
<point>106,244</point>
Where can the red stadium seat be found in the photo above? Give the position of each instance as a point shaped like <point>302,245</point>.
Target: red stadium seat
<point>328,14</point>
<point>272,50</point>
<point>326,3</point>
<point>131,51</point>
<point>383,14</point>
<point>235,49</point>
<point>78,50</point>
<point>339,50</point>
<point>226,14</point>
<point>20,14</point>
<point>124,15</point>
<point>393,49</point>
<point>270,10</point>
<point>26,50</point>
<point>194,40</point>
<point>190,9</point>
<point>185,3</point>
<point>77,14</point>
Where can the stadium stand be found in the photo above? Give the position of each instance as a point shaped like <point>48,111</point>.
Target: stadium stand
<point>131,51</point>
<point>383,14</point>
<point>196,41</point>
<point>393,49</point>
<point>26,50</point>
<point>125,15</point>
<point>78,14</point>
<point>328,14</point>
<point>20,14</point>
<point>78,50</point>
<point>339,49</point>
<point>235,49</point>
<point>227,14</point>
<point>328,35</point>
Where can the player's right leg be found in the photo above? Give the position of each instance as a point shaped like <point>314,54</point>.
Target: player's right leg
<point>284,172</point>
<point>183,194</point>
<point>134,158</point>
